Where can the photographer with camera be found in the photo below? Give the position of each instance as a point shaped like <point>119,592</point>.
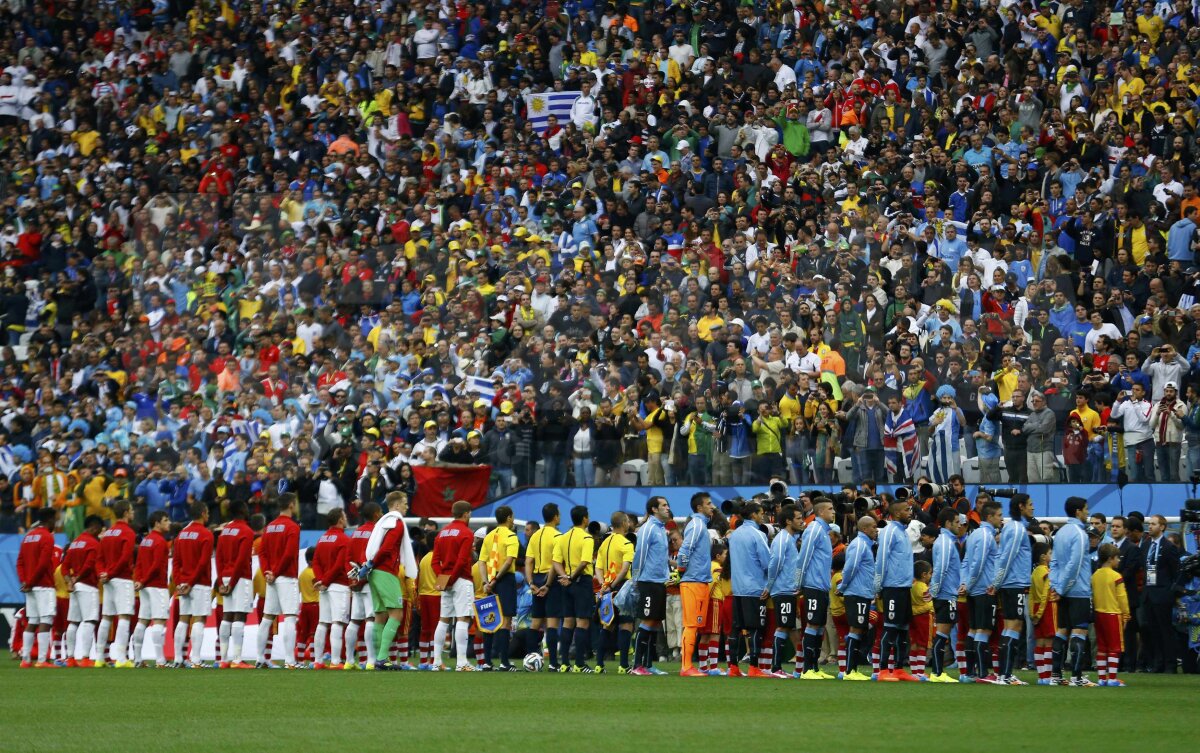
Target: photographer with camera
<point>1131,416</point>
<point>867,416</point>
<point>769,429</point>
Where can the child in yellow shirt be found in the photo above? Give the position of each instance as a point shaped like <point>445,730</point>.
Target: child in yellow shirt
<point>920,630</point>
<point>1043,613</point>
<point>1111,605</point>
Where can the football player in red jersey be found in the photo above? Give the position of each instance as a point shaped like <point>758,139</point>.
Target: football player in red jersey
<point>192,572</point>
<point>117,545</point>
<point>35,572</point>
<point>279,559</point>
<point>150,581</point>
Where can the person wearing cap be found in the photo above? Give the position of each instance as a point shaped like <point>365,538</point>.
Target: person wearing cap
<point>430,440</point>
<point>1166,423</point>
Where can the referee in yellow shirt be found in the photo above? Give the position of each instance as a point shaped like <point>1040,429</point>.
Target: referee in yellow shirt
<point>500,549</point>
<point>613,560</point>
<point>547,610</point>
<point>574,552</point>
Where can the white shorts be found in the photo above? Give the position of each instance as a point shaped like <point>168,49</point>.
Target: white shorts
<point>118,597</point>
<point>361,607</point>
<point>197,602</point>
<point>335,604</point>
<point>41,602</point>
<point>283,597</point>
<point>85,604</point>
<point>155,604</point>
<point>241,598</point>
<point>459,599</point>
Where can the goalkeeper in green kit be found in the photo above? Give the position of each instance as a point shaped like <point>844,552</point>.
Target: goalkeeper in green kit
<point>388,549</point>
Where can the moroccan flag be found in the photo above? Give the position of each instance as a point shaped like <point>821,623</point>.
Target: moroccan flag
<point>439,488</point>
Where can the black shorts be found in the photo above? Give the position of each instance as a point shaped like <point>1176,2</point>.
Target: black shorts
<point>749,613</point>
<point>858,612</point>
<point>982,615</point>
<point>816,607</point>
<point>897,606</point>
<point>1074,612</point>
<point>652,600</point>
<point>580,598</point>
<point>945,611</point>
<point>537,609</point>
<point>506,594</point>
<point>556,600</point>
<point>1012,603</point>
<point>785,612</point>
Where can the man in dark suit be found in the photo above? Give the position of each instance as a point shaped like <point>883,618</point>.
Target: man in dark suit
<point>1162,571</point>
<point>1126,533</point>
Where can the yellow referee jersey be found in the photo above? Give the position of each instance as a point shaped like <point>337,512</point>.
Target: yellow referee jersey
<point>541,549</point>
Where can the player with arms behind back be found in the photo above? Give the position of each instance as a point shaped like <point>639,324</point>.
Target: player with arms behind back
<point>858,590</point>
<point>945,586</point>
<point>1071,586</point>
<point>35,572</point>
<point>117,546</point>
<point>150,581</point>
<point>192,571</point>
<point>694,560</point>
<point>815,578</point>
<point>279,559</point>
<point>235,582</point>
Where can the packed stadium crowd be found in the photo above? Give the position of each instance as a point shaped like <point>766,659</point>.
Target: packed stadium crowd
<point>912,588</point>
<point>259,248</point>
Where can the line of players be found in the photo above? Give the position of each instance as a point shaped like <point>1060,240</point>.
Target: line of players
<point>753,589</point>
<point>746,588</point>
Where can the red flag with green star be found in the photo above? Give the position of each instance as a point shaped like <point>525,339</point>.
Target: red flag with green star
<point>439,488</point>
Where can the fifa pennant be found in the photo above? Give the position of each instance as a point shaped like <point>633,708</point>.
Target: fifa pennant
<point>606,611</point>
<point>488,614</point>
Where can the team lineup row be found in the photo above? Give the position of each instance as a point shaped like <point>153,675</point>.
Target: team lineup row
<point>748,596</point>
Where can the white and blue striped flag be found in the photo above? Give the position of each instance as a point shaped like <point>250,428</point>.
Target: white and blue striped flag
<point>482,386</point>
<point>542,106</point>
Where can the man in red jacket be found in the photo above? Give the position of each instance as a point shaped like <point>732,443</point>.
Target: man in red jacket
<point>116,580</point>
<point>362,612</point>
<point>150,581</point>
<point>192,572</point>
<point>35,571</point>
<point>453,558</point>
<point>279,560</point>
<point>235,581</point>
<point>330,562</point>
<point>81,568</point>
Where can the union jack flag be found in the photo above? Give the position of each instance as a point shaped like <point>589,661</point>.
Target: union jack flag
<point>900,445</point>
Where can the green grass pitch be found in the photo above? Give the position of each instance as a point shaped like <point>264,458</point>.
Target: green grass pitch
<point>204,710</point>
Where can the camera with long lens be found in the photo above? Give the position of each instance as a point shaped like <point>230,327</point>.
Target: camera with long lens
<point>1191,512</point>
<point>902,494</point>
<point>1001,492</point>
<point>732,507</point>
<point>929,489</point>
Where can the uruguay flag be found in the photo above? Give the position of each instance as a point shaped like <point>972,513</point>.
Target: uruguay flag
<point>542,106</point>
<point>482,386</point>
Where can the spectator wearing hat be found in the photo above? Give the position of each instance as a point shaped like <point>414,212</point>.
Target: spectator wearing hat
<point>1166,426</point>
<point>1039,429</point>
